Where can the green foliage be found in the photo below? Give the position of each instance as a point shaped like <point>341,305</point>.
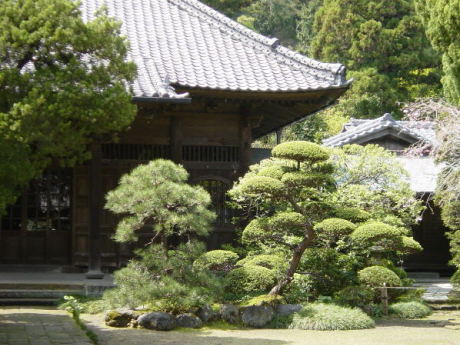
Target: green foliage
<point>301,289</point>
<point>441,19</point>
<point>328,270</point>
<point>52,64</point>
<point>355,296</point>
<point>376,233</point>
<point>370,178</point>
<point>354,215</point>
<point>274,262</point>
<point>383,44</point>
<point>409,310</point>
<point>331,230</point>
<point>168,284</point>
<point>231,8</point>
<point>377,276</point>
<point>158,193</point>
<point>261,185</point>
<point>455,279</point>
<point>216,260</point>
<point>248,279</point>
<point>263,300</point>
<point>326,317</point>
<point>300,151</point>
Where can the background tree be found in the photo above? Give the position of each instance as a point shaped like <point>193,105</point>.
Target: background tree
<point>383,45</point>
<point>63,84</point>
<point>441,19</point>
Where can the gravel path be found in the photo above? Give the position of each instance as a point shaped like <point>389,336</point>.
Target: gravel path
<point>439,329</point>
<point>39,326</point>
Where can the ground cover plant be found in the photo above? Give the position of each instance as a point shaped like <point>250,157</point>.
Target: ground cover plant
<point>410,310</point>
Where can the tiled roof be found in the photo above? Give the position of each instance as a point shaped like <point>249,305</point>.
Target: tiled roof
<point>186,44</point>
<point>422,171</point>
<point>358,130</point>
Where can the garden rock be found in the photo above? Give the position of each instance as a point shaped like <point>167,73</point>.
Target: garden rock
<point>188,321</point>
<point>206,314</point>
<point>257,316</point>
<point>229,313</point>
<point>287,309</point>
<point>158,321</point>
<point>119,318</point>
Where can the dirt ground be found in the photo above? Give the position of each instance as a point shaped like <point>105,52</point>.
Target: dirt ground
<point>441,328</point>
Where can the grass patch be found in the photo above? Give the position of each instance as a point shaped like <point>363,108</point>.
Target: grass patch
<point>221,325</point>
<point>410,310</point>
<point>328,317</point>
<point>263,300</point>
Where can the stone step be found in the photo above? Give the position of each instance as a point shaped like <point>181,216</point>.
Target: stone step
<point>42,293</point>
<point>28,301</point>
<point>424,276</point>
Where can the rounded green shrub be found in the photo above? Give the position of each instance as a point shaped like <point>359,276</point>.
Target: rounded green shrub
<point>455,279</point>
<point>300,151</point>
<point>216,260</point>
<point>354,215</point>
<point>293,221</point>
<point>409,310</point>
<point>303,179</point>
<point>270,261</point>
<point>377,276</point>
<point>255,231</point>
<point>335,227</point>
<point>274,171</point>
<point>355,296</point>
<point>375,231</point>
<point>409,245</point>
<point>328,317</point>
<point>248,279</point>
<point>261,184</point>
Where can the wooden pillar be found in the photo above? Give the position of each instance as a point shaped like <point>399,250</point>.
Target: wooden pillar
<point>95,211</point>
<point>245,137</point>
<point>175,140</point>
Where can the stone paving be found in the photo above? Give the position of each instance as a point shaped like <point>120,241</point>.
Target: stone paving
<point>436,290</point>
<point>39,326</point>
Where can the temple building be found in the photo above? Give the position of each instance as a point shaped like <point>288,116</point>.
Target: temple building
<point>206,88</point>
<point>398,136</point>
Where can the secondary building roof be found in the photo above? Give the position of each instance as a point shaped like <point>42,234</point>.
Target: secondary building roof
<point>359,131</point>
<point>423,171</point>
<point>184,44</point>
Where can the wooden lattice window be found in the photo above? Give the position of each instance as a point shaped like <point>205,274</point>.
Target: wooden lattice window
<point>218,192</point>
<point>44,206</point>
<point>135,151</point>
<point>210,153</point>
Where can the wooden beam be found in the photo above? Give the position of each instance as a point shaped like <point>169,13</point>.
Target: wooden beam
<point>95,210</point>
<point>245,137</point>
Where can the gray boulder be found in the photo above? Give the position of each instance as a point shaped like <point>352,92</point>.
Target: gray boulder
<point>229,313</point>
<point>158,321</point>
<point>206,314</point>
<point>120,318</point>
<point>287,309</point>
<point>257,316</point>
<point>188,321</point>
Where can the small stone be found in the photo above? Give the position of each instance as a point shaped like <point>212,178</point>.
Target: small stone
<point>257,316</point>
<point>119,318</point>
<point>158,321</point>
<point>230,313</point>
<point>188,321</point>
<point>287,309</point>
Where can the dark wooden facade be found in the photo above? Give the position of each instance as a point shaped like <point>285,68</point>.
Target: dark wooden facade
<point>210,137</point>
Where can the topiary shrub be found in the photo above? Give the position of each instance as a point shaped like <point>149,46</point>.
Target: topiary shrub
<point>330,230</point>
<point>261,184</point>
<point>328,317</point>
<point>354,215</point>
<point>249,279</point>
<point>409,246</point>
<point>271,261</point>
<point>409,310</point>
<point>372,232</point>
<point>216,260</point>
<point>377,276</point>
<point>355,296</point>
<point>300,151</point>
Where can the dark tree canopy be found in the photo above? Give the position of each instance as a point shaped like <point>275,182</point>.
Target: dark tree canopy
<point>63,84</point>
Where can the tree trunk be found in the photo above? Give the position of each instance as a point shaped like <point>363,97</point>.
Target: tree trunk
<point>294,263</point>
